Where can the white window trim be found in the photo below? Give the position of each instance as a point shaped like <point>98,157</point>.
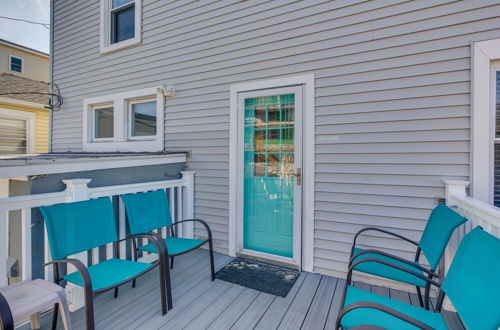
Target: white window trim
<point>129,122</point>
<point>484,53</point>
<point>121,141</point>
<point>22,63</point>
<point>105,28</point>
<point>308,199</point>
<point>30,127</point>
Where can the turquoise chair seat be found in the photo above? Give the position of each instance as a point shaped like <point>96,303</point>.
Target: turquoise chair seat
<point>363,316</point>
<point>387,271</point>
<point>109,272</point>
<point>175,245</point>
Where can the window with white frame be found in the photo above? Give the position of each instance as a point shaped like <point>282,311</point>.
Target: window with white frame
<point>120,24</point>
<point>129,121</point>
<point>15,64</point>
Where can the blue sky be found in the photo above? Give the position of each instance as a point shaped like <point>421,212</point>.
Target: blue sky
<point>30,35</point>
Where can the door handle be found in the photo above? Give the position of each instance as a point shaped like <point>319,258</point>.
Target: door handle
<point>298,175</point>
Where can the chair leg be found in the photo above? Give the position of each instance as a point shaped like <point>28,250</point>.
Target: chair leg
<point>116,292</point>
<point>212,266</point>
<point>35,321</point>
<point>54,316</point>
<point>171,262</point>
<point>168,284</point>
<point>89,309</point>
<point>426,296</point>
<point>419,294</point>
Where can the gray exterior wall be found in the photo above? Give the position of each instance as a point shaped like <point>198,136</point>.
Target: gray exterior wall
<point>392,97</point>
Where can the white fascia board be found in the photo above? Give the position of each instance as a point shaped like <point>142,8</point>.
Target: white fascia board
<point>10,168</point>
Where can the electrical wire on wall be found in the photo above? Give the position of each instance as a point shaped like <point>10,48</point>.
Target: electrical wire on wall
<point>55,101</point>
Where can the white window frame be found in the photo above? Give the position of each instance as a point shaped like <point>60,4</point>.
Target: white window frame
<point>484,54</point>
<point>121,140</point>
<point>10,63</point>
<point>93,120</point>
<point>129,119</point>
<point>105,28</point>
<point>29,117</point>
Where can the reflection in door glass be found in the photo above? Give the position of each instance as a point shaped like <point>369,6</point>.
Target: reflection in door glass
<point>269,150</point>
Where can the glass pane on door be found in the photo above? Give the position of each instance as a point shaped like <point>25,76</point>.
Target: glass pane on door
<point>269,150</point>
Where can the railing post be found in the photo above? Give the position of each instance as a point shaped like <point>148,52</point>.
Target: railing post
<point>454,187</point>
<point>188,203</point>
<point>79,191</point>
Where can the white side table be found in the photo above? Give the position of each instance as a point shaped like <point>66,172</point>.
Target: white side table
<point>28,298</point>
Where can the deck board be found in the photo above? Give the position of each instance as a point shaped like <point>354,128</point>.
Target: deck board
<point>312,303</point>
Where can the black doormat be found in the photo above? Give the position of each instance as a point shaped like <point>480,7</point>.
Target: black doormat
<point>259,276</point>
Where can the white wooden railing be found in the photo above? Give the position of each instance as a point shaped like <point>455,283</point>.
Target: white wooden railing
<point>478,213</point>
<point>181,196</point>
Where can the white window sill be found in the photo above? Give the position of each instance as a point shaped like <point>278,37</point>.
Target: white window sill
<point>126,146</point>
<point>105,49</point>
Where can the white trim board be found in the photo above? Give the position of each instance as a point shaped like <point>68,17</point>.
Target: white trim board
<point>25,166</point>
<point>307,81</point>
<point>484,53</point>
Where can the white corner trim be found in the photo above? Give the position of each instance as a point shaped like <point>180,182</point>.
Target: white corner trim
<point>121,141</point>
<point>105,28</point>
<point>30,127</point>
<point>307,81</point>
<point>482,118</point>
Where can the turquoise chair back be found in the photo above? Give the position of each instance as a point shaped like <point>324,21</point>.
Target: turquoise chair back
<point>441,224</point>
<point>147,211</point>
<point>79,226</point>
<point>473,280</point>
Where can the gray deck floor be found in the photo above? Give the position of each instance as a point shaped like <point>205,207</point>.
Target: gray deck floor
<point>199,303</point>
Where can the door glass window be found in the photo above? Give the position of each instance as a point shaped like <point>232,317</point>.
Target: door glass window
<point>269,150</point>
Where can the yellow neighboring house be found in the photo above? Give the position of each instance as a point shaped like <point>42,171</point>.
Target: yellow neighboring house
<point>24,118</point>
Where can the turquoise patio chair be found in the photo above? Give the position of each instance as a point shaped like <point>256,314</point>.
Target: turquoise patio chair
<point>438,230</point>
<point>81,226</point>
<point>472,284</point>
<point>150,211</point>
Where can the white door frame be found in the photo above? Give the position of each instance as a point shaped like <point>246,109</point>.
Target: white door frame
<point>29,117</point>
<point>307,225</point>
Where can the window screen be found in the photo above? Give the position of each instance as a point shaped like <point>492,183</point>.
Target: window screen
<point>16,64</point>
<point>143,117</point>
<point>122,20</point>
<point>103,122</point>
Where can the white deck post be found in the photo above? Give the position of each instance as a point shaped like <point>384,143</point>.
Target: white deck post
<point>188,203</point>
<point>79,191</point>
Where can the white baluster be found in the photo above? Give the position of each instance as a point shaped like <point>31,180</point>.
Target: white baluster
<point>188,203</point>
<point>4,246</point>
<point>26,243</point>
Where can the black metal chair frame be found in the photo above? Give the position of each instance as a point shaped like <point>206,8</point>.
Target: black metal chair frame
<point>380,307</point>
<point>171,256</point>
<point>6,319</point>
<point>431,273</point>
<point>166,299</point>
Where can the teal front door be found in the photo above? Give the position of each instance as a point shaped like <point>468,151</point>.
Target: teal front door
<point>271,168</point>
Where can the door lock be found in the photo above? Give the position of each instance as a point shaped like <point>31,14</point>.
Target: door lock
<point>298,175</point>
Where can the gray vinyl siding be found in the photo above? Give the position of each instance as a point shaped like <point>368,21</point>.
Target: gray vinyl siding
<point>392,97</point>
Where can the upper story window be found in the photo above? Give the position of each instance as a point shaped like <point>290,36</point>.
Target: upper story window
<point>15,64</point>
<point>120,24</point>
<point>129,121</point>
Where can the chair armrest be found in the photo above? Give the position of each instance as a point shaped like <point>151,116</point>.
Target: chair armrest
<point>382,231</point>
<point>384,309</point>
<point>408,262</point>
<point>6,319</point>
<point>420,276</point>
<point>207,228</point>
<point>80,267</point>
<point>154,238</point>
